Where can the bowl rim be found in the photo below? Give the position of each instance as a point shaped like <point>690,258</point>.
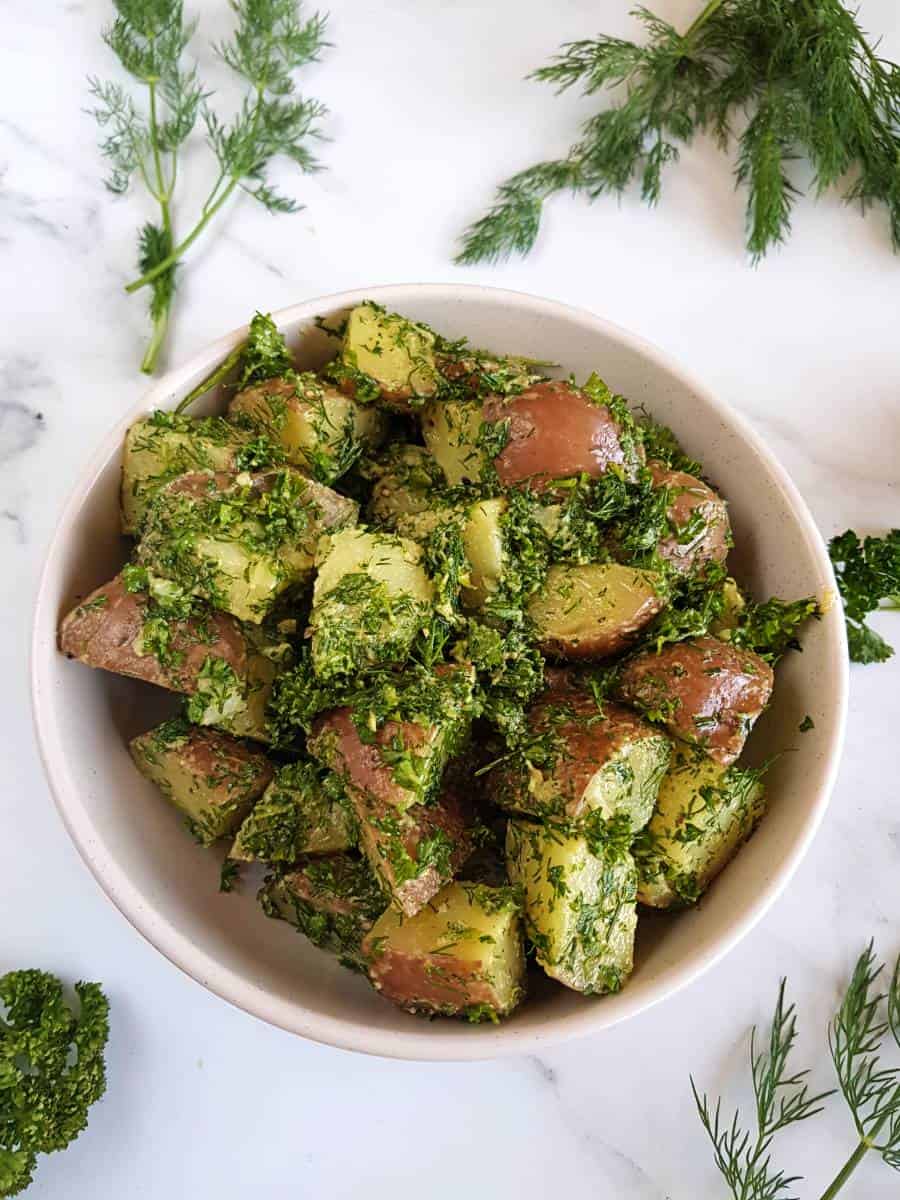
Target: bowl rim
<point>423,1043</point>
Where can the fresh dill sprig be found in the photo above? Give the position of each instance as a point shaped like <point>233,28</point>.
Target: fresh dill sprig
<point>802,74</point>
<point>872,1091</point>
<point>150,37</point>
<point>855,1038</point>
<point>744,1157</point>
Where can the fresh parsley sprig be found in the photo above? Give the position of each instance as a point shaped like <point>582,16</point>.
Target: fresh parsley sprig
<point>52,1069</point>
<point>856,1037</point>
<point>801,77</point>
<point>150,38</point>
<point>868,577</point>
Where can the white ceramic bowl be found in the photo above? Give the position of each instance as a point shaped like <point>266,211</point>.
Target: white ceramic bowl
<point>168,888</point>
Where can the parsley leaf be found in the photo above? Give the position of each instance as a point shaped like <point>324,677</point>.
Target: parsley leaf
<point>868,577</point>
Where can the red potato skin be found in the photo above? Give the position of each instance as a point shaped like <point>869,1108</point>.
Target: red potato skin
<point>378,800</point>
<point>450,989</point>
<point>555,432</point>
<point>102,635</point>
<point>710,693</point>
<point>589,740</point>
<point>361,762</point>
<point>330,507</point>
<point>276,388</point>
<point>689,495</point>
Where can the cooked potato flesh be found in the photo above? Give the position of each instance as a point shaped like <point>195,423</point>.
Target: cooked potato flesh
<point>580,910</point>
<point>405,479</point>
<point>461,955</point>
<point>163,446</point>
<point>319,428</point>
<point>597,771</point>
<point>704,812</point>
<point>302,811</point>
<point>414,838</point>
<point>210,777</point>
<point>484,546</point>
<point>393,354</point>
<point>227,669</point>
<point>240,541</point>
<point>451,431</point>
<point>371,597</point>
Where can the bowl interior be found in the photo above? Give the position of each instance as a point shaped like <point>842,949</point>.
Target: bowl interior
<point>167,886</point>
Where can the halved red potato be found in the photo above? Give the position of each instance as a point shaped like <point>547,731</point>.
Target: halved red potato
<point>386,358</point>
<point>580,905</point>
<point>334,900</point>
<point>704,813</point>
<point>699,516</point>
<point>556,431</point>
<point>165,445</point>
<point>583,766</point>
<point>319,428</point>
<point>461,955</point>
<point>553,431</point>
<point>414,836</point>
<point>302,811</point>
<point>210,777</point>
<point>209,656</point>
<point>593,610</point>
<point>705,692</point>
<point>240,541</point>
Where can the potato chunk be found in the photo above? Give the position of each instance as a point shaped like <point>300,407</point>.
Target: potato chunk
<point>546,431</point>
<point>705,692</point>
<point>240,541</point>
<point>452,433</point>
<point>165,445</point>
<point>227,669</point>
<point>319,429</point>
<point>703,815</point>
<point>386,358</point>
<point>698,517</point>
<point>461,955</point>
<point>580,909</point>
<point>371,597</point>
<point>304,810</point>
<point>555,431</point>
<point>211,777</point>
<point>598,771</point>
<point>334,900</point>
<point>486,551</point>
<point>414,838</point>
<point>593,611</point>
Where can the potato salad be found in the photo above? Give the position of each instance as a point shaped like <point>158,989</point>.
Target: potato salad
<point>459,672</point>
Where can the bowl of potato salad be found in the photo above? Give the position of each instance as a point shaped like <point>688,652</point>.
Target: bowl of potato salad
<point>433,651</point>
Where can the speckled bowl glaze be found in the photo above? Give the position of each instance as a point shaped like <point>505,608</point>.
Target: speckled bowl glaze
<point>168,888</point>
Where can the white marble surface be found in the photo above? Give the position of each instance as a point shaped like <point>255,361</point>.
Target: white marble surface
<point>429,110</point>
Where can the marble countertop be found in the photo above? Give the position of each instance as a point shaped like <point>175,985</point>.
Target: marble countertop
<point>430,108</point>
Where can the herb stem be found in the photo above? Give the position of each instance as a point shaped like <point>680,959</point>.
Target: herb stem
<point>846,1170</point>
<point>211,206</point>
<point>209,211</point>
<point>163,194</point>
<point>709,10</point>
<point>212,379</point>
